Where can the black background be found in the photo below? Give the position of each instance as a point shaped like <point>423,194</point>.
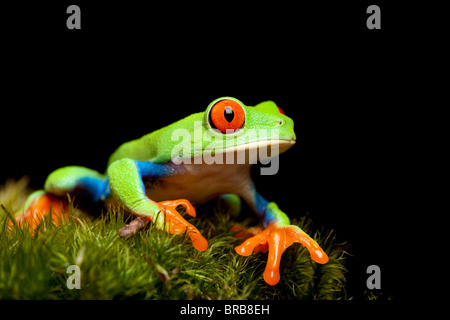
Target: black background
<point>70,97</point>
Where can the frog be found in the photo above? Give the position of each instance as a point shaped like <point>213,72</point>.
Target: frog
<point>183,165</point>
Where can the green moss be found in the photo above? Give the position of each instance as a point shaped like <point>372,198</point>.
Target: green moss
<point>154,264</point>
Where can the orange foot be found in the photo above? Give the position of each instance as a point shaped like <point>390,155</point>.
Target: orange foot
<point>41,204</point>
<point>279,238</point>
<point>177,224</point>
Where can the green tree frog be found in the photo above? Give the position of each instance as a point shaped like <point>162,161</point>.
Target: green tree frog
<point>194,160</point>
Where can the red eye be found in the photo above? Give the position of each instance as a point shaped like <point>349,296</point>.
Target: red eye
<point>227,115</point>
<point>281,110</point>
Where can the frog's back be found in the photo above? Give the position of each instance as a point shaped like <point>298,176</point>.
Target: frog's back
<point>155,146</point>
<point>136,149</point>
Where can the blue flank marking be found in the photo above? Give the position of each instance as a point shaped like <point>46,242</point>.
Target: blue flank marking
<point>97,189</point>
<point>147,169</point>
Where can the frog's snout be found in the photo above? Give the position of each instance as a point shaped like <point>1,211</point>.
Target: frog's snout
<point>285,125</point>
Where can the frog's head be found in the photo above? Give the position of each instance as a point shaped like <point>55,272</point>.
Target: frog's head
<point>232,126</point>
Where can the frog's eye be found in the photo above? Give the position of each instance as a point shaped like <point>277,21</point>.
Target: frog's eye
<point>227,116</point>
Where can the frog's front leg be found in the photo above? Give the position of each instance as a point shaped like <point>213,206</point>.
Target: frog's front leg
<point>126,185</point>
<point>278,235</point>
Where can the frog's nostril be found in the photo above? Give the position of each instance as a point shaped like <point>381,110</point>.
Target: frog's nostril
<point>280,122</point>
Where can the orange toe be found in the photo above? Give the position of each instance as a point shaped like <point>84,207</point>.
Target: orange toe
<point>249,245</point>
<point>271,276</point>
<point>198,241</point>
<point>316,252</point>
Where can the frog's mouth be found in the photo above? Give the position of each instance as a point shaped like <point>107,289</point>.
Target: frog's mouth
<point>252,152</point>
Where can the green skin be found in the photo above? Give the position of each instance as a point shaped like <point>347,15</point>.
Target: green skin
<point>151,158</point>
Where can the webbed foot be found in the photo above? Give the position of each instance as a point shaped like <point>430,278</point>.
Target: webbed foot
<point>176,224</point>
<point>278,238</point>
<point>171,221</point>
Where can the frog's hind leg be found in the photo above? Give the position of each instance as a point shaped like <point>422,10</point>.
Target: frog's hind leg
<point>79,182</point>
<point>86,184</point>
<point>38,205</point>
